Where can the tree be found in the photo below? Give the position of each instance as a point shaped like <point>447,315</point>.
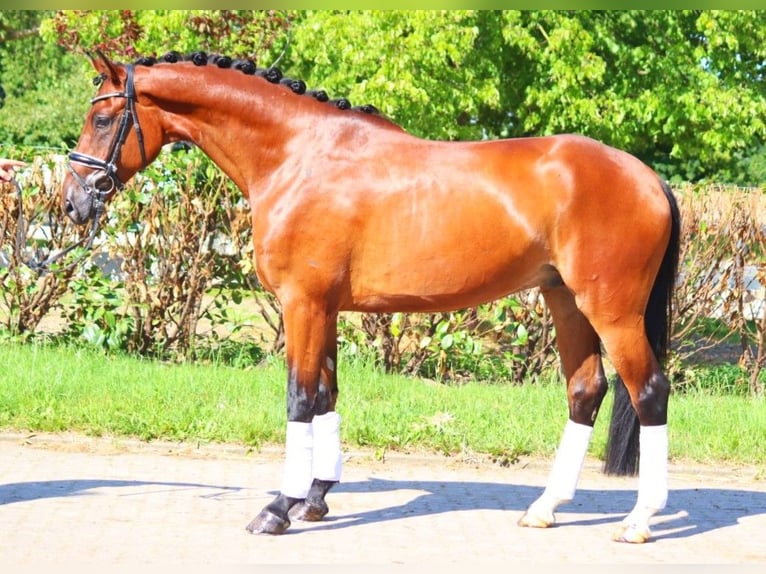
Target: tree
<point>127,34</point>
<point>45,99</point>
<point>682,90</point>
<point>427,70</point>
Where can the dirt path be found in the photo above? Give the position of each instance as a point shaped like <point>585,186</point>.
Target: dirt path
<point>71,499</point>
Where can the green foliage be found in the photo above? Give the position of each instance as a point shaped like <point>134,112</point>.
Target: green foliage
<point>715,380</point>
<point>96,312</point>
<point>424,69</point>
<point>131,33</point>
<point>681,89</point>
<point>505,341</point>
<point>164,229</point>
<point>461,347</point>
<point>646,82</point>
<point>45,95</point>
<point>749,168</point>
<point>175,243</point>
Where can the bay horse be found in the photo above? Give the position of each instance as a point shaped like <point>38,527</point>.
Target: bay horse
<point>352,213</point>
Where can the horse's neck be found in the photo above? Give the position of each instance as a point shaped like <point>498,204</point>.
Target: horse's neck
<point>250,127</point>
<point>239,121</point>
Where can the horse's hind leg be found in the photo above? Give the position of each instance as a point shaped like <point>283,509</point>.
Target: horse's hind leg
<point>580,354</point>
<point>629,350</point>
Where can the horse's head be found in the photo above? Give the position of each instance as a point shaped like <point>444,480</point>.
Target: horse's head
<point>116,142</point>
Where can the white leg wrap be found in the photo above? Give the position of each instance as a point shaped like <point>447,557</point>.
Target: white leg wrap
<point>328,459</point>
<point>562,481</point>
<point>567,466</point>
<point>299,448</point>
<point>653,468</point>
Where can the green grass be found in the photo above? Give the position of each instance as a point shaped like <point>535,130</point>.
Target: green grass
<point>55,388</point>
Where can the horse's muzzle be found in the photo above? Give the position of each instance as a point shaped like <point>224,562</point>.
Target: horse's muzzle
<point>78,206</point>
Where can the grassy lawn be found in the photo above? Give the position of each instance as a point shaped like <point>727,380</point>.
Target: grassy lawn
<point>53,388</point>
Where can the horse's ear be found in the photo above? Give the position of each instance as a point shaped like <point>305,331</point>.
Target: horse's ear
<point>105,66</point>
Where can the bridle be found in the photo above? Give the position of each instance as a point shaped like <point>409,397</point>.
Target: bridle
<point>108,166</point>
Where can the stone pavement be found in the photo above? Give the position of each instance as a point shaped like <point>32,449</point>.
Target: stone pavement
<point>72,499</point>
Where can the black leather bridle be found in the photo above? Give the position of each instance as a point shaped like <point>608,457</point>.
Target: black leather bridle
<point>109,166</point>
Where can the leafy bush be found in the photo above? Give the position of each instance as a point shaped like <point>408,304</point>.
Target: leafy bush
<point>46,87</point>
<point>165,230</point>
<point>26,227</point>
<point>504,341</point>
<point>722,280</point>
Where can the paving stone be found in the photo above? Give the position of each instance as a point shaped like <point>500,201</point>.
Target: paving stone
<point>73,499</point>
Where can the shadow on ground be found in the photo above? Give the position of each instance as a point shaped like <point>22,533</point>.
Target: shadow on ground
<point>689,511</point>
<point>38,490</point>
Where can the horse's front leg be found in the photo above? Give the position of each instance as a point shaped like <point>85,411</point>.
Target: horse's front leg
<point>326,425</point>
<point>312,448</point>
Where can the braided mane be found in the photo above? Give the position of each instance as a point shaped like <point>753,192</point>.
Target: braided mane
<point>246,66</point>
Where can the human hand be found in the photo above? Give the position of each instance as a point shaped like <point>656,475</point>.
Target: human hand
<point>7,167</point>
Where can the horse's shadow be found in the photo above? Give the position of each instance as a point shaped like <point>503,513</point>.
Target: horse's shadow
<point>38,490</point>
<point>689,511</point>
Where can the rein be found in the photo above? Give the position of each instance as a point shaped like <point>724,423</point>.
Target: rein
<point>41,266</point>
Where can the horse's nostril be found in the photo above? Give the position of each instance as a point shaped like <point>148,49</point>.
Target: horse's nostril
<point>68,206</point>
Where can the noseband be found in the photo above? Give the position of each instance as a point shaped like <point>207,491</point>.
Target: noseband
<point>109,166</point>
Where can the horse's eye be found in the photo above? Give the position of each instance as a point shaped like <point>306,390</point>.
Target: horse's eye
<point>102,122</point>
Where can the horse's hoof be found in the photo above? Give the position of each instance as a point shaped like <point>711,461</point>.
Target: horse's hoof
<point>632,534</point>
<point>309,511</point>
<point>268,523</point>
<point>533,519</point>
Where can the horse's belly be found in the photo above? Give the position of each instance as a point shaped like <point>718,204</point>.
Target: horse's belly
<point>442,282</point>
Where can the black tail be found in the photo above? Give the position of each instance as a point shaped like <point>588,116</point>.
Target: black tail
<point>622,443</point>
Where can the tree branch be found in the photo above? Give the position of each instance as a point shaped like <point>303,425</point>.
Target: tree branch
<point>9,34</point>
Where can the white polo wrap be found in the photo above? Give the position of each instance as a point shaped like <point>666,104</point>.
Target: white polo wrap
<point>328,459</point>
<point>299,450</point>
